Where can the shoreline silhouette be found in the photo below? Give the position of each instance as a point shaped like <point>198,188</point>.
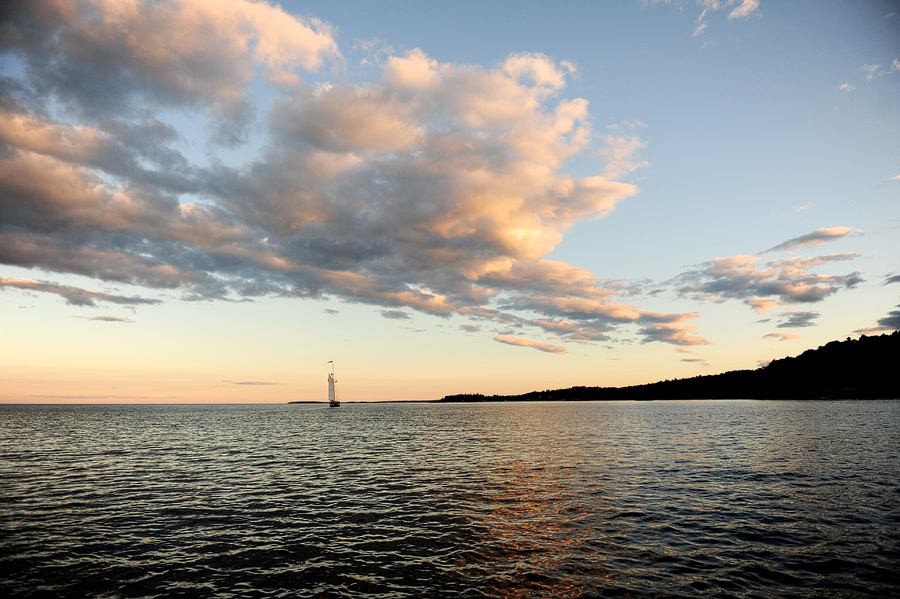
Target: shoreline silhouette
<point>863,368</point>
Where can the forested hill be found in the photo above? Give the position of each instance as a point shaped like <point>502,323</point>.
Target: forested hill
<point>861,368</point>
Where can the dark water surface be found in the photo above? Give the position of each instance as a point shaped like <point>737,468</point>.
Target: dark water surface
<point>619,499</point>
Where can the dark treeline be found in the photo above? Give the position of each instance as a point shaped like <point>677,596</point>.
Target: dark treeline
<point>861,368</point>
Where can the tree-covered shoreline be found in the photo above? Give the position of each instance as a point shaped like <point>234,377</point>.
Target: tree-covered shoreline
<point>864,368</point>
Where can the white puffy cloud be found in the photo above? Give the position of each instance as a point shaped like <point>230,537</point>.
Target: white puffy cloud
<point>415,71</point>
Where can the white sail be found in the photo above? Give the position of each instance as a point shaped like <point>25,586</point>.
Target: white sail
<point>330,387</point>
<point>333,400</point>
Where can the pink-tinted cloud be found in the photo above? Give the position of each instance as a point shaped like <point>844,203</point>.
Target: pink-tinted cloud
<point>817,237</point>
<point>622,155</point>
<point>525,342</point>
<point>761,304</point>
<point>674,333</point>
<point>175,52</point>
<point>436,187</point>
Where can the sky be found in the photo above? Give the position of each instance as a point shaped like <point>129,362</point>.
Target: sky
<point>206,201</point>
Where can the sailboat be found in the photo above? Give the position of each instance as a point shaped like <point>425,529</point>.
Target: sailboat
<point>333,400</point>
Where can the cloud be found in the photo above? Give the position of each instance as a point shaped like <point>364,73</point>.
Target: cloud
<point>75,296</point>
<point>778,282</point>
<point>781,336</point>
<point>888,323</point>
<point>586,313</point>
<point>395,314</point>
<point>892,279</point>
<point>870,70</point>
<point>674,333</point>
<point>108,398</point>
<point>846,87</point>
<point>524,342</point>
<point>621,153</point>
<point>744,10</point>
<point>436,187</point>
<point>798,319</point>
<point>470,328</point>
<point>817,237</point>
<point>892,320</point>
<point>698,361</point>
<point>895,65</point>
<point>104,57</point>
<point>762,304</point>
<point>106,318</point>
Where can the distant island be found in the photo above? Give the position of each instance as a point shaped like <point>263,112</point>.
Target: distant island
<point>864,368</point>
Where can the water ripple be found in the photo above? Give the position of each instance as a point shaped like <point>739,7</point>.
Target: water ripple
<point>631,499</point>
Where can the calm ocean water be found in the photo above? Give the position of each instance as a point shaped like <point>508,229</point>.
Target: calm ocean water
<point>619,499</point>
